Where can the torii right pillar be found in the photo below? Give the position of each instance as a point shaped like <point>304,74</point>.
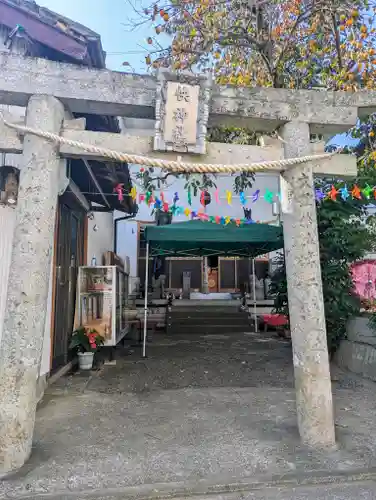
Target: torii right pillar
<point>305,297</point>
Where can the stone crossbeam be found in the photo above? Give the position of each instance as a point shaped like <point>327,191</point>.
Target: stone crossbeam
<point>341,165</point>
<point>88,90</point>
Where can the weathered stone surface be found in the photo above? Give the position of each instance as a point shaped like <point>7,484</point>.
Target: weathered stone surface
<point>358,330</point>
<point>267,108</point>
<point>85,90</point>
<point>21,345</point>
<point>306,304</point>
<point>107,92</point>
<point>186,131</point>
<point>358,352</point>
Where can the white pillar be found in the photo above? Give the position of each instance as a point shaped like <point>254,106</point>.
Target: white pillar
<point>26,305</point>
<point>306,304</point>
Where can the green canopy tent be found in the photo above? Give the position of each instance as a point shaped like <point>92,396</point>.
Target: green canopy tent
<point>197,238</point>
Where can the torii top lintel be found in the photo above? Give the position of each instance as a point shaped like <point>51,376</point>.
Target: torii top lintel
<point>94,91</point>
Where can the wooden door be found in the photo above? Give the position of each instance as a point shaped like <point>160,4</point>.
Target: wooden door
<point>69,256</point>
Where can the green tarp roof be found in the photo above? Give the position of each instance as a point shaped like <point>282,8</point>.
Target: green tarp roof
<point>197,238</point>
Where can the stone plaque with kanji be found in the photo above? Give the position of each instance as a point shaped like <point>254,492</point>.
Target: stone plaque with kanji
<point>182,109</point>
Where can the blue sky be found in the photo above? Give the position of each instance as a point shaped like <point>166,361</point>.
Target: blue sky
<point>107,17</point>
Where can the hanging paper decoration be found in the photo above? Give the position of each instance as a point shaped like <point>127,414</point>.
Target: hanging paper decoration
<point>367,190</point>
<point>217,219</point>
<point>222,220</point>
<point>134,193</point>
<point>255,196</point>
<point>229,197</point>
<point>333,193</point>
<point>237,222</point>
<point>165,207</point>
<point>141,198</point>
<point>157,204</point>
<point>189,196</point>
<point>216,194</point>
<point>319,195</point>
<point>243,200</point>
<point>355,192</point>
<point>247,213</point>
<point>162,196</point>
<point>187,212</point>
<point>205,198</point>
<point>193,214</point>
<point>344,193</point>
<point>148,196</point>
<point>119,190</point>
<point>269,196</point>
<point>227,219</point>
<point>203,216</point>
<point>176,198</point>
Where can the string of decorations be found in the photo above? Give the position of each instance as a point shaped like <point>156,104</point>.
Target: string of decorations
<point>155,202</point>
<point>355,192</point>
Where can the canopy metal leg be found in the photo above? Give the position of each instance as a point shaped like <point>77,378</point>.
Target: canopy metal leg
<point>146,302</point>
<point>254,295</point>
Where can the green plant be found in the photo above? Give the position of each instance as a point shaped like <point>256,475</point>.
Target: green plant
<point>372,321</point>
<point>86,340</point>
<point>344,239</point>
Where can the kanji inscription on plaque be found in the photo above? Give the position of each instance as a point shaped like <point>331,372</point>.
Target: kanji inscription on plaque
<point>181,110</point>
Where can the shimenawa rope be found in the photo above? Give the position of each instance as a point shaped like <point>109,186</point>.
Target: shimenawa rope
<point>170,166</point>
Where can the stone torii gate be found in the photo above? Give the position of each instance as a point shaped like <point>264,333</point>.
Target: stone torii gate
<point>182,108</point>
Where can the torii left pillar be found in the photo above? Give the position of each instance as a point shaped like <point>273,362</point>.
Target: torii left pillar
<point>26,304</point>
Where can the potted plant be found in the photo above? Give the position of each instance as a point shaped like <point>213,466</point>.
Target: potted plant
<point>86,342</point>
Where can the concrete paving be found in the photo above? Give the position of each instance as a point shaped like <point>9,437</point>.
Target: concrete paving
<point>200,414</point>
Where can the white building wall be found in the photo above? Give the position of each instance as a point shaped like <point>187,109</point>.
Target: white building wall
<point>127,241</point>
<point>100,236</point>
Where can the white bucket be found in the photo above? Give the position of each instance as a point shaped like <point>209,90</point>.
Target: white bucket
<point>85,360</point>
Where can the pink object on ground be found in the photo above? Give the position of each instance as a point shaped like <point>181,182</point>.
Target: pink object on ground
<point>275,319</point>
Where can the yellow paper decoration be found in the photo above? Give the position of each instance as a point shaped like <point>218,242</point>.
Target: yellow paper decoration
<point>187,212</point>
<point>227,220</point>
<point>134,193</point>
<point>229,197</point>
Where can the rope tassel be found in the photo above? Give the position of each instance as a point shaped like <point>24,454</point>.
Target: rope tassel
<point>171,166</point>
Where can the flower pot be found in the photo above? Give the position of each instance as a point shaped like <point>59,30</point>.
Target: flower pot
<point>85,360</point>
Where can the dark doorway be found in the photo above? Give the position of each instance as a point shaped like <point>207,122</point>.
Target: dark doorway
<point>69,256</point>
<point>213,261</point>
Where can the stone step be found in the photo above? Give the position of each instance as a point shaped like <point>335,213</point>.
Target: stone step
<point>208,329</point>
<point>208,321</point>
<point>206,314</point>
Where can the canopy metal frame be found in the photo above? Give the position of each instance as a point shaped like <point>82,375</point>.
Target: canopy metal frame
<point>203,250</point>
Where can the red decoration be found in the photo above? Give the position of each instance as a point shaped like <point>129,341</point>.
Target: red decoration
<point>217,219</point>
<point>333,193</point>
<point>205,198</point>
<point>119,190</point>
<point>165,206</point>
<point>356,192</point>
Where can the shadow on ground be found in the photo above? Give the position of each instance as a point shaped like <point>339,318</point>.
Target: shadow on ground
<point>213,408</point>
